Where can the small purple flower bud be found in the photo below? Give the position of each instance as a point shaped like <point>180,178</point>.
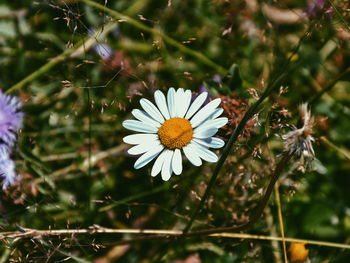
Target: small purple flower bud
<point>217,78</point>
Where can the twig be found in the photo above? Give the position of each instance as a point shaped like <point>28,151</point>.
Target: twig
<point>59,157</point>
<point>163,233</point>
<point>287,239</point>
<point>127,19</point>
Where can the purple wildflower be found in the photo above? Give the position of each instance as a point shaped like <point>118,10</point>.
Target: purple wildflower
<point>10,118</point>
<point>10,122</point>
<point>7,167</point>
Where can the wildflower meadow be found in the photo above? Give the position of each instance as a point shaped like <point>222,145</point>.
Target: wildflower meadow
<point>191,131</point>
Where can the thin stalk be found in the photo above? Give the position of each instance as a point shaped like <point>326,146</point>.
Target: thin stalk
<point>127,19</point>
<point>280,219</point>
<point>160,188</point>
<point>89,179</point>
<point>163,233</point>
<point>275,246</point>
<point>329,86</point>
<point>341,151</point>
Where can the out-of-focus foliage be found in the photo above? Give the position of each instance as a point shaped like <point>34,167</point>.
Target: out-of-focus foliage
<point>75,110</point>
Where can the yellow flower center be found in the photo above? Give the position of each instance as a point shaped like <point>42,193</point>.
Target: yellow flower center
<point>175,133</point>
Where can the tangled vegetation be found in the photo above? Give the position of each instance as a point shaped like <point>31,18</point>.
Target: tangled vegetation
<point>74,70</point>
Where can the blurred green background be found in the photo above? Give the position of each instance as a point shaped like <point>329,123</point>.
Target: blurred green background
<point>91,67</point>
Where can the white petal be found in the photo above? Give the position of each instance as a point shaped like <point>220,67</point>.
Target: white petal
<point>192,155</point>
<point>144,117</point>
<point>140,138</point>
<point>151,110</point>
<point>217,113</point>
<point>211,142</point>
<point>204,153</point>
<point>157,166</point>
<point>171,102</point>
<point>177,162</point>
<point>216,123</point>
<point>216,143</point>
<point>183,103</point>
<point>205,133</point>
<point>139,126</point>
<point>178,100</point>
<point>147,157</point>
<point>161,103</point>
<point>166,168</point>
<point>205,112</point>
<point>197,103</point>
<point>143,147</point>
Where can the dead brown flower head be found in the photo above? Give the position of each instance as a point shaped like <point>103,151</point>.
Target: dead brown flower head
<point>234,109</point>
<point>298,142</point>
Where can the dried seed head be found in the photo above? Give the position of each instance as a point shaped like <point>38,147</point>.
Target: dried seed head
<point>299,141</point>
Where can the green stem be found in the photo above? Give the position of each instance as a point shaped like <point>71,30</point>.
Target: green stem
<point>5,255</point>
<point>329,86</point>
<point>127,19</point>
<point>341,151</point>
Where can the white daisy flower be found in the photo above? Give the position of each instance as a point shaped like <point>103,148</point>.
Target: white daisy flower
<point>172,127</point>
